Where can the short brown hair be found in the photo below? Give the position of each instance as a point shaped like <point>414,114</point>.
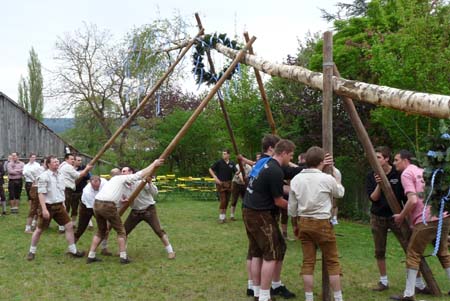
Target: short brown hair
<point>269,140</point>
<point>284,145</point>
<point>314,156</point>
<point>49,159</point>
<point>384,151</point>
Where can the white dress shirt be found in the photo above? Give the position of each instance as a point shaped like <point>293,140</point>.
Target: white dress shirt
<point>51,184</point>
<point>117,187</point>
<point>70,174</point>
<point>312,192</point>
<point>146,197</point>
<point>31,171</point>
<point>89,194</point>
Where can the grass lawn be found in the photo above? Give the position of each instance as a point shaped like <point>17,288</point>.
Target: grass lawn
<point>210,263</point>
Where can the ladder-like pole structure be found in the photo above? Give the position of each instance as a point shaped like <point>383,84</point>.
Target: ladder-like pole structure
<point>182,132</point>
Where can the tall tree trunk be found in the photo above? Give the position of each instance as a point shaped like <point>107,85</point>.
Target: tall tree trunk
<point>433,105</point>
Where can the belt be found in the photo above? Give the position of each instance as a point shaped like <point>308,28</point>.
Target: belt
<point>106,202</point>
<point>54,204</point>
<point>143,210</point>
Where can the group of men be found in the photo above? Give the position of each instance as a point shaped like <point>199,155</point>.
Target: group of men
<point>268,186</point>
<point>265,204</point>
<point>310,205</point>
<point>56,191</point>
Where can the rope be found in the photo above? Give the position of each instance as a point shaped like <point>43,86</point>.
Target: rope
<point>444,200</point>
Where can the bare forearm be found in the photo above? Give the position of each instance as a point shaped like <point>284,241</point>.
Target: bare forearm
<point>376,194</point>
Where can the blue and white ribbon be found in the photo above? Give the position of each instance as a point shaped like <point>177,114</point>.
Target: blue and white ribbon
<point>444,200</point>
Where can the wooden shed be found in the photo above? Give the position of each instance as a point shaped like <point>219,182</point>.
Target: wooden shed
<point>22,133</point>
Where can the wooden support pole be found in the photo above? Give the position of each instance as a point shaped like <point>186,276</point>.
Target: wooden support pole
<point>327,131</point>
<point>385,185</point>
<point>222,104</point>
<point>144,101</point>
<point>182,132</point>
<point>267,109</point>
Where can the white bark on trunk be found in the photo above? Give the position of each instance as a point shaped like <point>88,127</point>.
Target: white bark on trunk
<point>433,105</point>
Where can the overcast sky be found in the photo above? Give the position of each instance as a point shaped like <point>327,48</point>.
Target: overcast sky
<point>30,23</point>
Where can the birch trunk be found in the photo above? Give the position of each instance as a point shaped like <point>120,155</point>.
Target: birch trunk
<point>433,105</point>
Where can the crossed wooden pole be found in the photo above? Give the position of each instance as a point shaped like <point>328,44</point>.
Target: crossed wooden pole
<point>144,101</point>
<point>188,123</point>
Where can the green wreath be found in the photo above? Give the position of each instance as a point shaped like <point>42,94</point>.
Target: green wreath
<point>202,46</point>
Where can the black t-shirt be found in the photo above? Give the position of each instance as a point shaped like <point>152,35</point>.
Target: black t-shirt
<point>381,207</point>
<point>265,188</point>
<point>84,180</point>
<point>223,170</point>
<point>290,171</point>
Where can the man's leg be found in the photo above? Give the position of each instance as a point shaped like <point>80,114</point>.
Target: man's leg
<point>267,269</point>
<point>223,205</point>
<point>41,226</point>
<point>102,229</point>
<point>84,216</point>
<point>152,219</point>
<point>34,242</point>
<point>256,275</point>
<point>379,227</point>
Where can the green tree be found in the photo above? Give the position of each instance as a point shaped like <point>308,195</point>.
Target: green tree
<point>30,89</point>
<point>108,79</point>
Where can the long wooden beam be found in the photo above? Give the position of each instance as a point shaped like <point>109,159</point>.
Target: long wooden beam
<point>262,91</point>
<point>433,105</point>
<point>182,132</point>
<point>327,132</point>
<point>144,101</point>
<point>226,117</point>
<point>385,185</point>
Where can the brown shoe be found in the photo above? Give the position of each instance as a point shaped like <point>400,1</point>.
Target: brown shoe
<point>425,291</point>
<point>171,255</point>
<point>221,221</point>
<point>91,260</point>
<point>105,252</point>
<point>78,254</point>
<point>28,231</point>
<point>380,287</point>
<point>125,260</point>
<point>233,219</point>
<point>30,256</point>
<point>403,298</point>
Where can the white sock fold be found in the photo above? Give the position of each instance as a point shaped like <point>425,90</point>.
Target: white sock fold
<point>72,248</point>
<point>123,255</point>
<point>250,284</point>
<point>91,254</point>
<point>169,248</point>
<point>338,296</point>
<point>33,249</point>
<point>411,276</point>
<point>264,295</point>
<point>276,284</point>
<point>256,289</point>
<point>27,228</point>
<point>222,216</point>
<point>309,296</point>
<point>104,244</point>
<point>420,284</point>
<point>384,280</point>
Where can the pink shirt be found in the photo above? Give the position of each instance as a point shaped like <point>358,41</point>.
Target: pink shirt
<point>413,182</point>
<point>15,170</point>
